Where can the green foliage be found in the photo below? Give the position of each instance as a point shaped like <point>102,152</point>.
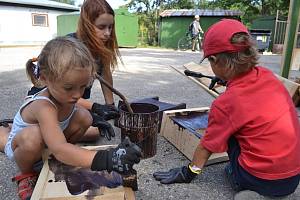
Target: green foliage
<point>148,11</point>
<point>252,9</point>
<point>178,4</point>
<point>71,2</point>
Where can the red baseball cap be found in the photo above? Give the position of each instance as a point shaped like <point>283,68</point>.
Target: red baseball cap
<point>217,38</point>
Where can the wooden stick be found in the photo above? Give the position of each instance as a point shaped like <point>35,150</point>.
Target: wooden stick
<point>214,94</point>
<point>116,92</point>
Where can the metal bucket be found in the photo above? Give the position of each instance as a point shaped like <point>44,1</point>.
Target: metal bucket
<point>141,126</point>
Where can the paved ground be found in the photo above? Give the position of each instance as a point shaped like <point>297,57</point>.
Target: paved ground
<point>146,73</point>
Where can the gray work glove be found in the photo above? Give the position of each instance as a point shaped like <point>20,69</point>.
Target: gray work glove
<point>176,175</point>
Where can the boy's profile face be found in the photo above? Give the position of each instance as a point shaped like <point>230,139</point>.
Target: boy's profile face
<point>218,68</point>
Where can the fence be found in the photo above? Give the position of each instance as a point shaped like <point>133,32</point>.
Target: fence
<point>280,29</point>
<point>279,34</point>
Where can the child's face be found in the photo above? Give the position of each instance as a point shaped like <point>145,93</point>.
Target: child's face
<point>70,88</point>
<point>104,24</point>
<point>218,68</point>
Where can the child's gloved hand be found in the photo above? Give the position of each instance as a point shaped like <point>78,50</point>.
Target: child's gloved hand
<point>120,159</point>
<point>104,127</point>
<point>176,175</point>
<point>106,111</point>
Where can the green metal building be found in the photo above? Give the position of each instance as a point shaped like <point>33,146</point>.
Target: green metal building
<point>174,23</point>
<point>126,26</point>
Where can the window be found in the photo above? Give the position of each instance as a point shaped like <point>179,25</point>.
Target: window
<point>39,19</point>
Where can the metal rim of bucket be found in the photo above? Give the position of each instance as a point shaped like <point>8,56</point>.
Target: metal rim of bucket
<point>126,111</point>
<point>126,114</point>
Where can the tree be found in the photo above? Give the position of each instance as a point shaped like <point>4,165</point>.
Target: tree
<point>148,13</point>
<point>148,10</point>
<point>71,2</point>
<point>252,8</point>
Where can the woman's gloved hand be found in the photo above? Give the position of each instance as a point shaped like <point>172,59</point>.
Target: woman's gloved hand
<point>120,159</point>
<point>104,127</point>
<point>106,111</point>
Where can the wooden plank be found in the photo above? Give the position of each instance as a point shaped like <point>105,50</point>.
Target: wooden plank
<point>292,87</point>
<point>129,193</point>
<point>295,59</point>
<point>182,139</point>
<point>47,189</point>
<point>205,87</point>
<point>206,70</point>
<point>43,177</point>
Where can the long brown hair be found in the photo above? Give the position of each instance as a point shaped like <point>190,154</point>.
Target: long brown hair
<point>108,53</point>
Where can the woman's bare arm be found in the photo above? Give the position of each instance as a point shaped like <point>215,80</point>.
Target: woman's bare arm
<point>107,93</point>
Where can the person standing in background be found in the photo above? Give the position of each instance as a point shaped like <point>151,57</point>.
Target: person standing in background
<point>195,30</point>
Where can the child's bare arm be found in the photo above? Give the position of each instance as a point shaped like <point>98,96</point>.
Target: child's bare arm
<point>120,159</point>
<point>55,140</point>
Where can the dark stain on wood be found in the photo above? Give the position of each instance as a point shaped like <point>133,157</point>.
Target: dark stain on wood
<point>79,179</point>
<point>192,121</point>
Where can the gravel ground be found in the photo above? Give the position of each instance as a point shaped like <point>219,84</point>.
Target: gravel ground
<point>145,73</point>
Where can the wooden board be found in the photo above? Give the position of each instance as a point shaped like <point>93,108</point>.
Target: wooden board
<point>182,139</point>
<point>205,70</point>
<point>295,65</point>
<point>292,87</point>
<point>47,189</point>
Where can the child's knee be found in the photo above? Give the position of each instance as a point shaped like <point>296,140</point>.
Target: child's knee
<point>84,118</point>
<point>30,139</point>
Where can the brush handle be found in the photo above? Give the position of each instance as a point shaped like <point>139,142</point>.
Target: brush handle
<point>116,92</point>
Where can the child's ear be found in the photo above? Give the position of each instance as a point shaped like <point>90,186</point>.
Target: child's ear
<point>212,59</point>
<point>42,79</point>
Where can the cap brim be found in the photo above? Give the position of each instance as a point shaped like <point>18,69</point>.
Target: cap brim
<point>202,59</point>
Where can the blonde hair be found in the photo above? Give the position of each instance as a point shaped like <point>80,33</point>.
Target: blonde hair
<point>108,53</point>
<point>239,62</point>
<point>57,57</point>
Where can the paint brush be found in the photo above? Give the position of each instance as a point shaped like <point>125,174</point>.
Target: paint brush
<point>116,92</point>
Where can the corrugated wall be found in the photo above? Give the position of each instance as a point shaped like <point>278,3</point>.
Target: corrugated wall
<point>173,28</point>
<point>126,27</point>
<point>67,24</point>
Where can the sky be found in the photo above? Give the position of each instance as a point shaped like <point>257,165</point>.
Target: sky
<point>113,3</point>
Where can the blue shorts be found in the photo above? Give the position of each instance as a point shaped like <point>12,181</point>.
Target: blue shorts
<point>246,181</point>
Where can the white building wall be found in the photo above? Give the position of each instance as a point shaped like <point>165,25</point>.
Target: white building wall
<point>16,26</point>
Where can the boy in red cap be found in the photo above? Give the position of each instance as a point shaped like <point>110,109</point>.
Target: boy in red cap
<point>254,120</point>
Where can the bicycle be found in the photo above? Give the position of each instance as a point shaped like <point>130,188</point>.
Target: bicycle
<point>185,42</point>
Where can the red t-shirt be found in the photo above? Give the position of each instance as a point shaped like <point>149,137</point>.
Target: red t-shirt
<point>257,109</point>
